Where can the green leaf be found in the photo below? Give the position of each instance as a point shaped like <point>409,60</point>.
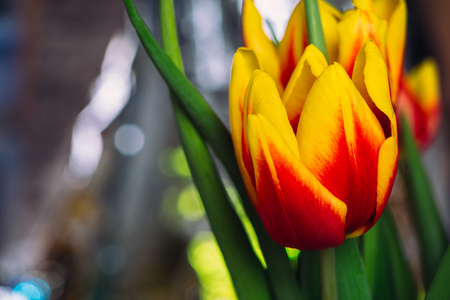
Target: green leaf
<point>433,241</point>
<point>246,272</point>
<point>376,263</point>
<point>440,285</point>
<point>350,273</point>
<point>214,131</point>
<point>388,272</point>
<point>281,276</point>
<point>309,270</point>
<point>401,274</point>
<point>169,33</point>
<point>314,24</point>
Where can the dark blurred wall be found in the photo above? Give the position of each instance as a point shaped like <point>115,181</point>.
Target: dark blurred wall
<point>58,49</point>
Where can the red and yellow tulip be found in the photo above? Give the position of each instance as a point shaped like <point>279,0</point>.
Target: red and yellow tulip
<point>384,21</point>
<point>280,60</point>
<point>419,101</point>
<point>416,95</point>
<point>318,156</point>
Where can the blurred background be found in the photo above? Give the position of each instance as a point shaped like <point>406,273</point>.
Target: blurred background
<point>96,199</point>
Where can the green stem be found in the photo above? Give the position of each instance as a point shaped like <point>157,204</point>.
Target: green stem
<point>314,24</point>
<point>214,131</point>
<point>246,272</point>
<point>328,274</point>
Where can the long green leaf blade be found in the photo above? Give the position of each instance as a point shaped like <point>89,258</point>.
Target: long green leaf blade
<point>433,241</point>
<point>376,263</point>
<point>350,273</point>
<point>314,24</point>
<point>246,272</point>
<point>388,272</point>
<point>440,286</point>
<point>402,280</point>
<point>196,108</point>
<point>213,130</point>
<point>309,275</point>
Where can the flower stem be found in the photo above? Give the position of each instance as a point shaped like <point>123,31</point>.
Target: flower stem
<point>328,274</point>
<point>314,24</point>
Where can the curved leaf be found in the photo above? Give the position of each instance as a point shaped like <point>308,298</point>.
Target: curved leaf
<point>433,241</point>
<point>439,286</point>
<point>350,273</point>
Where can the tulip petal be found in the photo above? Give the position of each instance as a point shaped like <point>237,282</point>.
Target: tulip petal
<point>355,28</point>
<point>395,46</point>
<point>244,64</point>
<point>371,79</point>
<point>339,139</point>
<point>255,38</point>
<point>295,39</point>
<point>385,8</point>
<point>263,98</point>
<point>310,66</point>
<point>329,9</point>
<point>424,80</point>
<point>295,209</point>
<point>364,5</point>
<point>387,170</point>
<point>419,100</point>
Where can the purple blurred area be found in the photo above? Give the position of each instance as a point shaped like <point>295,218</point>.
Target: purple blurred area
<point>84,121</point>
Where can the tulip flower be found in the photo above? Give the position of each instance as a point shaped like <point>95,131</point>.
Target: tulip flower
<point>385,22</point>
<point>419,100</point>
<point>280,60</point>
<point>319,157</point>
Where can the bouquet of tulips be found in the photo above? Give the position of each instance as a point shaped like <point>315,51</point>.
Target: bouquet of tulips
<point>319,123</point>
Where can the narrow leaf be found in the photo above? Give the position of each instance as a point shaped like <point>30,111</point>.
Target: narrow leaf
<point>440,286</point>
<point>402,280</point>
<point>314,24</point>
<point>246,272</point>
<point>309,270</point>
<point>376,263</point>
<point>388,272</point>
<point>214,131</point>
<point>350,273</point>
<point>433,241</point>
